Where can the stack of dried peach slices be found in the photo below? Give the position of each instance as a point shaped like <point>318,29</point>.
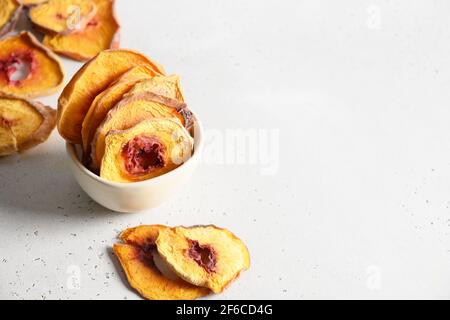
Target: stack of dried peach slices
<point>128,116</point>
<point>180,263</point>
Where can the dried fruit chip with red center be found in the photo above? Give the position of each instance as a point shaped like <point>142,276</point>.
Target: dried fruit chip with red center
<point>133,109</point>
<point>204,255</point>
<point>139,263</point>
<point>150,149</point>
<point>27,68</point>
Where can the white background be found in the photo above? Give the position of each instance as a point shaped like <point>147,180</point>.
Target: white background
<point>360,204</point>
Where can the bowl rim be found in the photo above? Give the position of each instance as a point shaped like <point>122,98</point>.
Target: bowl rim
<point>198,144</point>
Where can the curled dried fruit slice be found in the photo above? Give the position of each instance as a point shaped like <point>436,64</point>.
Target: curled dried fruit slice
<point>149,149</point>
<point>27,68</point>
<point>23,124</point>
<point>132,110</point>
<point>9,15</point>
<point>143,236</point>
<point>88,82</point>
<point>107,99</point>
<point>63,16</point>
<point>204,255</point>
<point>167,86</point>
<point>100,33</point>
<point>137,259</point>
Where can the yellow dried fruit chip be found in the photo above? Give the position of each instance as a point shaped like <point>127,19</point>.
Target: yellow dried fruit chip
<point>204,255</point>
<point>150,149</point>
<point>27,68</point>
<point>100,33</point>
<point>167,86</point>
<point>63,16</point>
<point>24,124</point>
<point>131,110</point>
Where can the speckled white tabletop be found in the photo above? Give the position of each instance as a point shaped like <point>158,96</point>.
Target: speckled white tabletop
<point>328,152</point>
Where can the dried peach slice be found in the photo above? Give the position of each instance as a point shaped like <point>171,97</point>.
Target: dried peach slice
<point>88,82</point>
<point>143,236</point>
<point>139,263</point>
<point>63,16</point>
<point>132,110</point>
<point>107,99</point>
<point>27,68</point>
<point>204,255</point>
<point>100,33</point>
<point>167,86</point>
<point>24,124</point>
<point>9,15</point>
<point>150,149</point>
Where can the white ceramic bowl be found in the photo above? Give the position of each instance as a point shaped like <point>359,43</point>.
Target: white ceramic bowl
<point>137,196</point>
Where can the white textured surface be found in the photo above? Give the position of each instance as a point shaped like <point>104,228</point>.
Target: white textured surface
<point>360,206</point>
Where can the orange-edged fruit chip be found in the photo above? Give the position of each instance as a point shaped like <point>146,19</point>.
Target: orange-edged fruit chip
<point>136,256</point>
<point>63,16</point>
<point>148,150</point>
<point>27,68</point>
<point>130,111</point>
<point>99,33</point>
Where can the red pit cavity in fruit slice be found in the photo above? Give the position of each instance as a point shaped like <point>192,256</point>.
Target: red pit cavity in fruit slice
<point>204,255</point>
<point>143,155</point>
<point>18,67</point>
<point>7,123</point>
